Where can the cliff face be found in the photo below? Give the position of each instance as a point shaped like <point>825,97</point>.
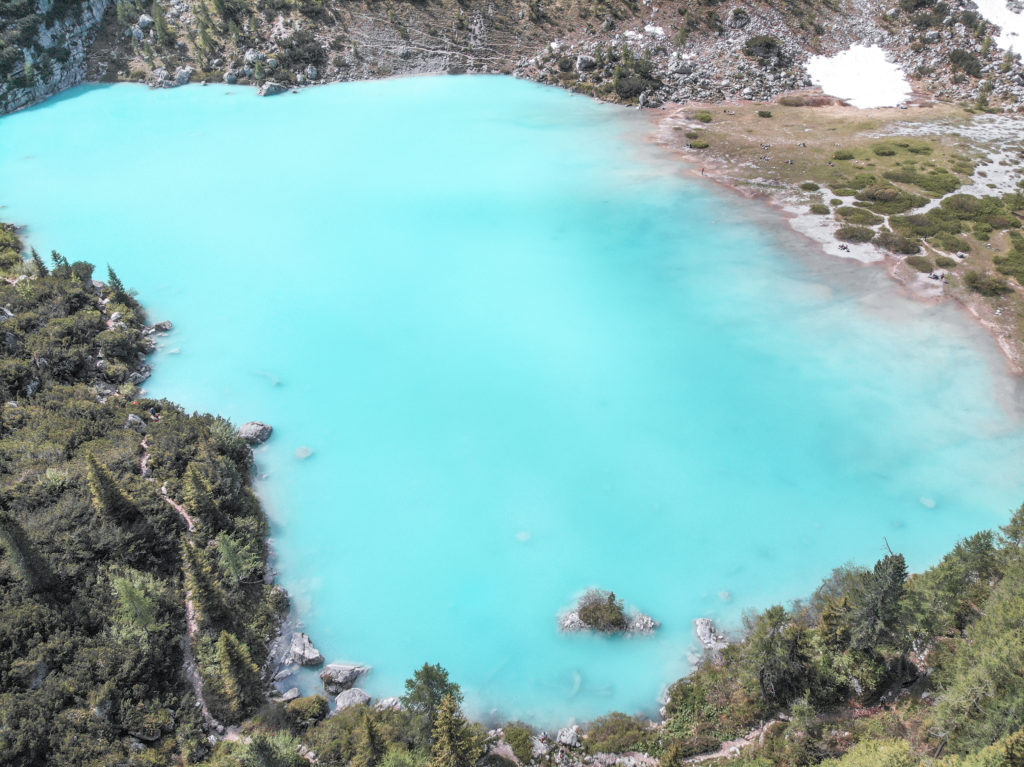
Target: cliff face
<point>631,51</point>
<point>44,50</point>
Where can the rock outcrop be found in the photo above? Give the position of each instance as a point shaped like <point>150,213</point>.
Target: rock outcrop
<point>349,698</point>
<point>709,637</point>
<point>255,432</point>
<point>339,677</point>
<point>302,651</point>
<point>569,737</point>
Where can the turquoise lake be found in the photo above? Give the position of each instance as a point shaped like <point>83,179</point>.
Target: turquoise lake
<point>529,356</point>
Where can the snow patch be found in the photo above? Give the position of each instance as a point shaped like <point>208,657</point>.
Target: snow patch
<point>1011,24</point>
<point>861,76</point>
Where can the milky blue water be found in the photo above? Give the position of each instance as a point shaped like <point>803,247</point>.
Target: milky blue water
<point>529,357</point>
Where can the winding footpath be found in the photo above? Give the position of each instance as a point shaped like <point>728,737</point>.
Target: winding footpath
<point>191,666</point>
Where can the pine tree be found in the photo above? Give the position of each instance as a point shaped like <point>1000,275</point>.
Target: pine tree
<point>107,497</point>
<point>454,744</point>
<point>28,563</point>
<point>238,677</point>
<point>835,623</point>
<point>877,619</point>
<point>370,744</point>
<point>423,695</point>
<point>164,36</point>
<point>37,261</point>
<point>61,267</point>
<point>200,501</point>
<point>207,595</point>
<point>120,295</point>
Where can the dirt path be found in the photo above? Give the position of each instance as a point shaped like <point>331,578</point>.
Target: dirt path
<point>732,747</point>
<point>192,623</point>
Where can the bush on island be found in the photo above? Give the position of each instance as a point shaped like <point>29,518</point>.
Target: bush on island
<point>819,209</point>
<point>601,611</point>
<point>810,186</point>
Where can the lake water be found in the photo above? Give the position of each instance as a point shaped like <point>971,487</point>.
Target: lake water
<point>529,357</point>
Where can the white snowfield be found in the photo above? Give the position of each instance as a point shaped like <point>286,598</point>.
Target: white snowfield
<point>1011,24</point>
<point>861,76</point>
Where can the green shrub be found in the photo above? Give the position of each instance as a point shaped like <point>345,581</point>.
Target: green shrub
<point>617,733</point>
<point>884,150</point>
<point>704,117</point>
<point>810,186</point>
<point>600,610</point>
<point>835,201</point>
<point>965,61</point>
<point>842,154</point>
<point>519,737</point>
<point>987,284</point>
<point>896,243</point>
<point>920,263</point>
<point>851,233</point>
<point>698,144</point>
<point>945,262</point>
<point>307,711</point>
<point>765,48</point>
<point>820,209</point>
<point>692,134</point>
<point>844,191</point>
<point>763,113</point>
<point>950,243</point>
<point>858,216</point>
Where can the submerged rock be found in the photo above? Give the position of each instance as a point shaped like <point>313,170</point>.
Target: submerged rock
<point>163,327</point>
<point>302,651</point>
<point>639,623</point>
<point>255,432</point>
<point>290,695</point>
<point>339,677</point>
<point>349,698</point>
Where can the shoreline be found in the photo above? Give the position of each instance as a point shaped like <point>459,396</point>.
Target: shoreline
<point>820,232</point>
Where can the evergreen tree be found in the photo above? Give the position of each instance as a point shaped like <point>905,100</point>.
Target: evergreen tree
<point>1013,531</point>
<point>877,619</point>
<point>237,561</point>
<point>201,503</point>
<point>835,623</point>
<point>238,677</point>
<point>28,563</point>
<point>61,267</point>
<point>164,35</point>
<point>40,266</point>
<point>454,744</point>
<point>120,295</point>
<point>370,744</point>
<point>207,595</point>
<point>107,496</point>
<point>423,695</point>
<point>778,656</point>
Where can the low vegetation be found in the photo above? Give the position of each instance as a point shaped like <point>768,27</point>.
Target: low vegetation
<point>602,611</point>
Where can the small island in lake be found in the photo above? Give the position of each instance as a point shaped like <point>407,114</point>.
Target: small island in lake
<point>599,610</point>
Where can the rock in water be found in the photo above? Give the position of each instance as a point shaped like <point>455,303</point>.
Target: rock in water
<point>569,736</point>
<point>349,698</point>
<point>270,88</point>
<point>255,432</point>
<point>571,621</point>
<point>292,694</point>
<point>708,636</point>
<point>339,677</point>
<point>642,624</point>
<point>303,652</point>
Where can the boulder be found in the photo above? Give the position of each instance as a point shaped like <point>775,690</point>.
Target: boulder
<point>252,56</point>
<point>569,737</point>
<point>571,621</point>
<point>642,624</point>
<point>255,432</point>
<point>270,88</point>
<point>311,72</point>
<point>389,704</point>
<point>338,677</point>
<point>290,695</point>
<point>230,77</point>
<point>349,698</point>
<point>163,327</point>
<point>540,748</point>
<point>585,63</point>
<point>302,651</point>
<point>286,672</point>
<point>708,636</point>
<point>145,21</point>
<point>183,74</point>
<point>135,423</point>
